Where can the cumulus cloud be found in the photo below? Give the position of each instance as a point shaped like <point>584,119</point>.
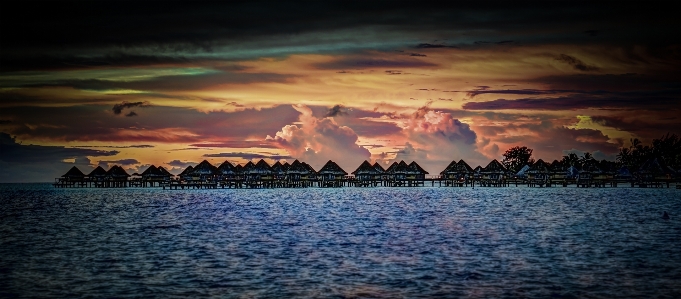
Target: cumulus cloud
<point>436,138</point>
<point>317,140</point>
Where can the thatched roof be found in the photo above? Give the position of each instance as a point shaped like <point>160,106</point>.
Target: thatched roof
<point>450,168</point>
<point>478,169</point>
<point>278,168</point>
<point>187,171</point>
<point>296,168</point>
<point>238,168</point>
<point>226,168</point>
<point>285,166</point>
<point>98,172</point>
<point>205,168</point>
<point>401,168</point>
<point>416,168</point>
<point>164,171</point>
<point>152,171</point>
<point>262,167</point>
<point>655,166</point>
<point>248,167</point>
<point>539,167</point>
<point>332,168</point>
<point>590,167</point>
<point>392,167</point>
<point>378,167</point>
<point>364,168</point>
<point>308,168</point>
<point>460,167</point>
<point>118,172</point>
<point>494,166</point>
<point>74,172</point>
<point>557,166</point>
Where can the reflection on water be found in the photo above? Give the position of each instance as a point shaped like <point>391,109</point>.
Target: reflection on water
<point>381,242</point>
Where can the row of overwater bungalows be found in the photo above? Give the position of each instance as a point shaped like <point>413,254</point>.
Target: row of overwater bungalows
<point>301,174</point>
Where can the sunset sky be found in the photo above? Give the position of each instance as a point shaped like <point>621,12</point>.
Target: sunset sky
<point>132,84</point>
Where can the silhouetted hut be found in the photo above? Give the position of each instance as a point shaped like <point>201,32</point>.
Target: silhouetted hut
<point>623,173</point>
<point>457,171</point>
<point>226,171</point>
<point>400,171</point>
<point>558,170</point>
<point>494,171</point>
<point>117,174</point>
<point>332,172</point>
<point>205,171</point>
<point>153,174</point>
<point>366,172</point>
<point>572,172</point>
<point>654,169</point>
<point>97,175</point>
<point>539,171</point>
<point>589,171</point>
<point>389,172</point>
<point>295,171</point>
<point>247,171</point>
<point>309,174</point>
<point>416,172</point>
<point>74,175</point>
<point>263,170</point>
<point>382,175</point>
<point>278,171</point>
<point>165,172</point>
<point>477,172</point>
<point>186,174</point>
<point>522,173</point>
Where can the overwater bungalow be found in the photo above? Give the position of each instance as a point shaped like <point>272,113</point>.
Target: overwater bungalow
<point>205,172</point>
<point>588,173</point>
<point>153,175</point>
<point>165,172</point>
<point>416,172</point>
<point>186,174</point>
<point>557,170</point>
<point>366,172</point>
<point>381,171</point>
<point>309,174</point>
<point>72,178</point>
<point>226,171</point>
<point>116,176</point>
<point>97,175</point>
<point>539,171</point>
<point>477,172</point>
<point>264,170</point>
<point>331,175</point>
<point>278,171</point>
<point>654,169</point>
<point>457,171</point>
<point>494,171</point>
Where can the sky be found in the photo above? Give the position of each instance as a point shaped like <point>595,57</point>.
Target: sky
<point>169,84</point>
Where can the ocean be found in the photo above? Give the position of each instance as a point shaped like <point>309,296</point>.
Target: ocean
<point>417,242</point>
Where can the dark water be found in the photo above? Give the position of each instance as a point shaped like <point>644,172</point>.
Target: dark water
<point>382,242</point>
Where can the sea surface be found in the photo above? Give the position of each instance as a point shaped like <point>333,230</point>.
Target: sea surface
<point>340,243</point>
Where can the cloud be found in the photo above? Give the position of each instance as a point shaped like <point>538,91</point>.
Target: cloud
<point>247,156</point>
<point>124,162</point>
<point>116,146</point>
<point>432,46</point>
<point>35,163</point>
<point>118,108</point>
<point>317,140</point>
<point>336,110</point>
<point>132,113</point>
<point>181,164</point>
<point>370,62</point>
<point>576,63</point>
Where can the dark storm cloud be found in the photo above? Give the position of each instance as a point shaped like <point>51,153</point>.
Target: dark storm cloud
<point>365,63</point>
<point>432,46</point>
<point>336,110</point>
<point>474,93</point>
<point>247,156</point>
<point>15,152</point>
<point>645,100</point>
<point>160,83</point>
<point>642,127</point>
<point>132,113</point>
<point>576,63</point>
<point>117,146</point>
<point>178,163</point>
<point>118,108</point>
<point>87,34</point>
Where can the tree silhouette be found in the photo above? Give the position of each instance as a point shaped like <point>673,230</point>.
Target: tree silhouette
<point>517,157</point>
